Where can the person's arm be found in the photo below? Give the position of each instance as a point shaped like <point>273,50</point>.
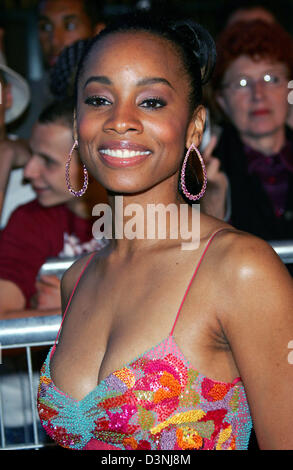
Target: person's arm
<point>12,303</point>
<point>6,158</point>
<point>29,313</point>
<point>258,323</point>
<point>24,247</point>
<point>11,297</point>
<point>216,199</point>
<point>47,294</point>
<point>13,154</point>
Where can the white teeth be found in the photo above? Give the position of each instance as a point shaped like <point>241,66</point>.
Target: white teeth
<point>123,153</point>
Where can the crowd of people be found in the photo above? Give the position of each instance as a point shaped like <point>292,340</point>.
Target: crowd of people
<point>60,24</point>
<point>247,149</point>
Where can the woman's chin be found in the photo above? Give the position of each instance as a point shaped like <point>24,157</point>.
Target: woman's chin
<point>261,131</point>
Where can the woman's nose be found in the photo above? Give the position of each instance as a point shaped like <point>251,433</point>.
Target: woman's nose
<point>123,118</point>
<point>258,89</point>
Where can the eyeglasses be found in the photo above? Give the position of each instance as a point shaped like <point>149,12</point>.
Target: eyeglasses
<point>246,84</point>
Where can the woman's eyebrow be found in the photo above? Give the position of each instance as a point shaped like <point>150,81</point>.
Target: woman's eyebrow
<point>99,79</point>
<point>154,80</point>
<point>142,82</point>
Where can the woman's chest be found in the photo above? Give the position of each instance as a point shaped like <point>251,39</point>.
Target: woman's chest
<point>109,325</point>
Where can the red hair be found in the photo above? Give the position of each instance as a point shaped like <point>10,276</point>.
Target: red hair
<point>256,39</point>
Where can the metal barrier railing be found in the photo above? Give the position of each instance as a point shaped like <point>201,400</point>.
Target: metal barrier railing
<point>35,332</point>
<point>283,248</point>
<point>27,333</point>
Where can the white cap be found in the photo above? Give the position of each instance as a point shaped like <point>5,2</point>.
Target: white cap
<point>20,93</point>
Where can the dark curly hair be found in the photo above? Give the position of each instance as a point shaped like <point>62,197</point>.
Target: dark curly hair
<point>62,74</point>
<point>256,39</point>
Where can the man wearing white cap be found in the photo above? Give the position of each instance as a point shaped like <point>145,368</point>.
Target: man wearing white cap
<point>14,99</point>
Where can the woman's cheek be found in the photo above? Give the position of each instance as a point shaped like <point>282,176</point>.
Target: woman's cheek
<point>170,130</point>
<point>280,103</point>
<point>238,113</point>
<point>87,128</point>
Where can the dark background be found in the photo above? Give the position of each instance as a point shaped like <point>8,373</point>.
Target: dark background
<point>19,19</point>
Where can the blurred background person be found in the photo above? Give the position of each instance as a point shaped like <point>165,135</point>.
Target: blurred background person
<point>14,152</point>
<point>251,13</point>
<point>250,84</point>
<point>257,12</point>
<point>54,224</point>
<point>60,23</point>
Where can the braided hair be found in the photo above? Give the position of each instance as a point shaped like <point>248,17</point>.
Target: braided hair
<point>62,76</point>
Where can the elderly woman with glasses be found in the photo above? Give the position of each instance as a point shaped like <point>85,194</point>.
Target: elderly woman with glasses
<point>255,147</point>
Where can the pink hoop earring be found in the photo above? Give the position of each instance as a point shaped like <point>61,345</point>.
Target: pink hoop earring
<point>193,197</point>
<point>67,177</point>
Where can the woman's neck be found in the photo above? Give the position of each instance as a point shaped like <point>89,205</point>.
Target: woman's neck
<point>267,144</point>
<point>149,220</point>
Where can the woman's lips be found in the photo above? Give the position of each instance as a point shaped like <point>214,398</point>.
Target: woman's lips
<point>260,112</point>
<point>123,154</point>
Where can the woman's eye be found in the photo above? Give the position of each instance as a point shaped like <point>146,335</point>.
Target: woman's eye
<point>97,101</point>
<point>153,103</point>
<point>273,79</point>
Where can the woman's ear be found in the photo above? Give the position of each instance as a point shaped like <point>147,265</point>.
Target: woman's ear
<point>196,127</point>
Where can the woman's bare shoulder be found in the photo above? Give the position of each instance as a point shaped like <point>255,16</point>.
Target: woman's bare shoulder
<point>72,273</point>
<point>248,256</point>
<point>254,303</point>
<point>71,277</point>
<point>250,274</point>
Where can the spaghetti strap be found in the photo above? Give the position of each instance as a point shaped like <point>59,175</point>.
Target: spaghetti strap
<point>194,274</point>
<point>71,295</point>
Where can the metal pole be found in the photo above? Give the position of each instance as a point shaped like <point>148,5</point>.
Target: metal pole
<point>2,421</point>
<point>34,414</point>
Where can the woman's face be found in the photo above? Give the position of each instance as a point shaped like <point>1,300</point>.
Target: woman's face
<point>133,115</point>
<point>254,96</point>
<point>50,145</point>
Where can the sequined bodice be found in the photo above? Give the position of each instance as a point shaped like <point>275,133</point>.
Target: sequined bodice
<point>157,401</point>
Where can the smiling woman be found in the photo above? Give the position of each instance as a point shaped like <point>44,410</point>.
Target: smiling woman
<point>156,350</point>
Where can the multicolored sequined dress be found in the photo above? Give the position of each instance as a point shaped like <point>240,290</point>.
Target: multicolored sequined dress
<point>157,401</point>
